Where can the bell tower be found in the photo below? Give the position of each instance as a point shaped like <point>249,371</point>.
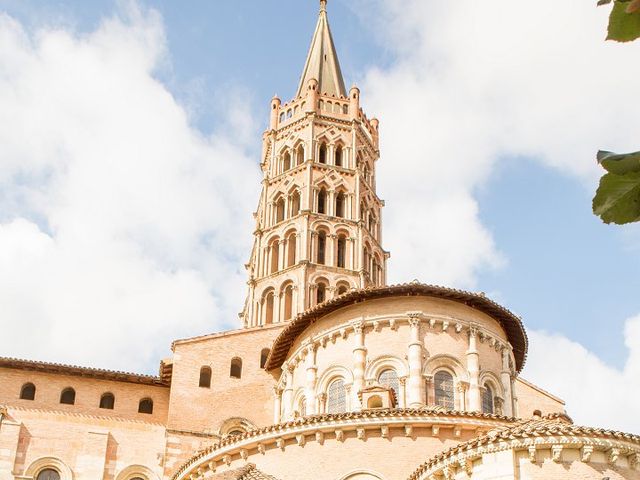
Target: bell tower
<point>318,224</point>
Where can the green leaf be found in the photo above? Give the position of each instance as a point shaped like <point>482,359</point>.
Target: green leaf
<point>623,26</point>
<point>618,198</point>
<point>619,163</point>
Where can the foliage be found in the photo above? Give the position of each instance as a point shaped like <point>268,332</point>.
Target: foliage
<point>618,197</point>
<point>624,22</point>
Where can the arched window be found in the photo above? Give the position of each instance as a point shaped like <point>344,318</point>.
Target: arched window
<point>287,161</point>
<point>288,302</point>
<point>205,377</point>
<point>275,255</point>
<point>268,316</point>
<point>300,155</point>
<point>340,205</point>
<point>322,201</point>
<point>68,396</point>
<point>291,249</point>
<point>487,399</point>
<point>389,378</point>
<point>280,210</point>
<point>302,406</point>
<point>339,156</point>
<point>342,251</point>
<point>342,289</point>
<point>48,474</point>
<point>236,368</point>
<point>323,154</point>
<point>374,271</point>
<point>28,392</point>
<point>321,292</point>
<point>145,406</point>
<point>264,354</point>
<point>336,397</point>
<point>322,247</point>
<point>295,204</point>
<point>367,260</point>
<point>443,382</point>
<point>107,401</point>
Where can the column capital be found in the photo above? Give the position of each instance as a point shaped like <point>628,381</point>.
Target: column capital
<point>414,318</point>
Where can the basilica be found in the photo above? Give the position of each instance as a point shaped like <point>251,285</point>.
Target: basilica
<point>332,373</point>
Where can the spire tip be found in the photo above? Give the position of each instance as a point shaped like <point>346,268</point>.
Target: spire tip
<point>323,5</point>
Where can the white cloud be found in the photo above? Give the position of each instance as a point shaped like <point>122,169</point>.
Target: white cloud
<point>118,222</point>
<point>476,83</point>
<point>473,84</point>
<point>596,393</point>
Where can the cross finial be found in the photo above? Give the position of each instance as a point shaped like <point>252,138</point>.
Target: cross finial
<point>323,5</point>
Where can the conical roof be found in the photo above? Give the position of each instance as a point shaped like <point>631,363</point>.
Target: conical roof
<point>322,60</point>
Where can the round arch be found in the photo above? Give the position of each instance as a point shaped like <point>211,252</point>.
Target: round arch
<point>446,362</point>
<point>330,374</point>
<point>492,379</point>
<point>385,362</point>
<point>136,471</point>
<point>362,475</point>
<point>235,423</point>
<point>43,463</point>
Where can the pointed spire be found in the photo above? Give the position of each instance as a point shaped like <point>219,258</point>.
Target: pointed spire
<point>322,60</point>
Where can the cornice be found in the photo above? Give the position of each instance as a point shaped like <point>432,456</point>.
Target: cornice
<point>332,427</point>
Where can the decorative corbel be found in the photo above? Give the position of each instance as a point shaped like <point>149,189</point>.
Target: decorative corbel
<point>532,453</point>
<point>634,460</point>
<point>445,325</point>
<point>212,466</point>
<point>227,459</point>
<point>339,435</point>
<point>320,438</point>
<point>586,452</point>
<point>280,443</point>
<point>435,430</point>
<point>556,453</point>
<point>361,433</point>
<point>432,322</point>
<point>261,448</point>
<point>244,454</point>
<point>408,430</point>
<point>301,439</point>
<point>458,327</point>
<point>384,431</point>
<point>613,455</point>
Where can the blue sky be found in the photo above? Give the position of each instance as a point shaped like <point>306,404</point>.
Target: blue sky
<point>487,167</point>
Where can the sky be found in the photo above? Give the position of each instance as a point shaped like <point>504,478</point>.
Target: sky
<point>129,170</point>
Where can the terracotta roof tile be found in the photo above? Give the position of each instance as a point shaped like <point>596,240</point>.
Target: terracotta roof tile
<point>62,369</point>
<point>511,323</point>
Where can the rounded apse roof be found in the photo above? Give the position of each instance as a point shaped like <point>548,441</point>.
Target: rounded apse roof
<point>510,322</point>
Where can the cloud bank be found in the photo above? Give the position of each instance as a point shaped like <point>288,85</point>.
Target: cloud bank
<point>118,220</point>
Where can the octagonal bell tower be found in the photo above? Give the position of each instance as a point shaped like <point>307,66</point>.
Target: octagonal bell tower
<point>318,224</point>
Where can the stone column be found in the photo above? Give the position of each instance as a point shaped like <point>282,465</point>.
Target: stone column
<point>462,389</point>
<point>505,376</point>
<point>287,395</point>
<point>322,403</point>
<point>312,377</point>
<point>277,299</point>
<point>429,395</point>
<point>402,397</point>
<point>415,385</point>
<point>277,404</point>
<point>359,361</point>
<point>473,369</point>
<point>331,250</point>
<point>282,261</point>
